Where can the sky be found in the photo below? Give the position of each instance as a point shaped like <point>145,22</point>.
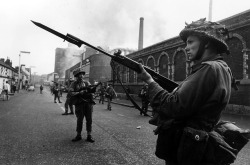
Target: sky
<point>105,23</point>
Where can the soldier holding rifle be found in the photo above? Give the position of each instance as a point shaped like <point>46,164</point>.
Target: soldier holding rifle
<point>188,124</point>
<point>82,99</point>
<point>188,113</point>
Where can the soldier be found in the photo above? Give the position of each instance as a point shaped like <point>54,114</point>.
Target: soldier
<point>68,103</point>
<point>56,93</point>
<point>102,94</point>
<point>83,101</point>
<point>144,98</point>
<point>191,111</point>
<point>110,94</point>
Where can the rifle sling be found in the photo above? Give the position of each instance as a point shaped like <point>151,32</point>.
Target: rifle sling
<point>125,90</point>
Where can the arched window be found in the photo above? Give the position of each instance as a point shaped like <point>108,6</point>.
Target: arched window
<point>151,63</point>
<point>235,58</point>
<point>179,66</point>
<point>163,65</point>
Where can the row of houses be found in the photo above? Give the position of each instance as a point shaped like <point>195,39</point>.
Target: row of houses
<point>10,74</point>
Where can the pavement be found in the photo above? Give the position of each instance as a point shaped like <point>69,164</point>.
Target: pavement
<point>230,109</point>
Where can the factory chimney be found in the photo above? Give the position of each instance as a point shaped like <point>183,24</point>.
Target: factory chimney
<point>140,43</point>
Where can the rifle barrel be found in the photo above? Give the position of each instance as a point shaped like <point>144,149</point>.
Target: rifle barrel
<point>161,80</point>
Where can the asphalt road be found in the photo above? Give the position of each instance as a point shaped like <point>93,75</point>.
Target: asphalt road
<point>33,132</point>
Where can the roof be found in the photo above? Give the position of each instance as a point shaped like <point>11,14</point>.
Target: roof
<point>7,66</point>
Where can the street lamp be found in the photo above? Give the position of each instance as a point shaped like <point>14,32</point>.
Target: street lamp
<point>30,72</point>
<point>34,74</point>
<point>20,68</point>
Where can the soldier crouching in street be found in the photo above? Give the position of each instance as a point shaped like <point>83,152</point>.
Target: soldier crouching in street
<point>82,98</point>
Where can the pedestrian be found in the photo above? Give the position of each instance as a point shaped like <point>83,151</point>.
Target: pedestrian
<point>188,113</point>
<point>41,89</point>
<point>56,93</point>
<point>102,94</point>
<point>82,98</point>
<point>6,88</point>
<point>144,99</point>
<point>110,94</point>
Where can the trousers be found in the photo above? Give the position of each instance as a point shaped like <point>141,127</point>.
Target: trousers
<point>68,105</point>
<point>83,110</point>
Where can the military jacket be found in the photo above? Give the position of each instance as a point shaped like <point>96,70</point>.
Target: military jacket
<point>200,98</point>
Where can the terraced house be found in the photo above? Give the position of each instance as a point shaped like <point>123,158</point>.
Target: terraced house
<point>7,73</point>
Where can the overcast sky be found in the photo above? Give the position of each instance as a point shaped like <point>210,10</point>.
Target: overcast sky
<point>105,23</point>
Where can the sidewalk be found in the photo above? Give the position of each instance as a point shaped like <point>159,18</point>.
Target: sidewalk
<point>230,109</point>
<point>127,103</point>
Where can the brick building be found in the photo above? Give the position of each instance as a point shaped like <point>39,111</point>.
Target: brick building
<point>170,59</point>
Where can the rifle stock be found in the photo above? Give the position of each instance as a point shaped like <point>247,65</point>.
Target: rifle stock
<point>164,82</point>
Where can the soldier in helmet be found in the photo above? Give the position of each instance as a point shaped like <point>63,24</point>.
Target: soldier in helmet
<point>188,113</point>
<point>68,103</point>
<point>83,104</point>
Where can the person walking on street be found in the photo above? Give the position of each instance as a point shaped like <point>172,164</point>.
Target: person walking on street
<point>56,93</point>
<point>14,88</point>
<point>6,88</point>
<point>194,108</point>
<point>41,89</point>
<point>110,94</point>
<point>82,98</point>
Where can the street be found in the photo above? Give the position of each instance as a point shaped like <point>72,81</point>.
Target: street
<point>33,131</point>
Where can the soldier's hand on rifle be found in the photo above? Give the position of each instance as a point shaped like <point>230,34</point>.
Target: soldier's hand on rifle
<point>144,75</point>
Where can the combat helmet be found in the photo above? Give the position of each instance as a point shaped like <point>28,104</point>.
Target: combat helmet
<point>77,71</point>
<point>213,31</point>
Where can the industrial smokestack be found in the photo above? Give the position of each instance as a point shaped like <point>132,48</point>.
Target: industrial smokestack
<point>140,43</point>
<point>210,12</point>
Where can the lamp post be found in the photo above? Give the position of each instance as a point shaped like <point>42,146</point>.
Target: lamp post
<point>34,74</point>
<point>30,72</point>
<point>20,68</point>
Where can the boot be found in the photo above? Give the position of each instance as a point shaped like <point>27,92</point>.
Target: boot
<point>77,138</point>
<point>90,139</point>
<point>66,113</point>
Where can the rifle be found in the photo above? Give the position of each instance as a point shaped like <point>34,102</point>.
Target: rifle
<point>164,82</point>
<point>88,89</point>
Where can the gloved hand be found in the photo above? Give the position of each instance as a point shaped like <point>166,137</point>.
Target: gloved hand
<point>144,75</point>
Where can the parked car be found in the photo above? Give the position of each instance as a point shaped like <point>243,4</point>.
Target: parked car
<point>31,88</point>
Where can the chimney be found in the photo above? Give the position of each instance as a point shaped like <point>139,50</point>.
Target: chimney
<point>140,44</point>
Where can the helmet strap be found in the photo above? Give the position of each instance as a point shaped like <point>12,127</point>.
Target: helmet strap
<point>201,50</point>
